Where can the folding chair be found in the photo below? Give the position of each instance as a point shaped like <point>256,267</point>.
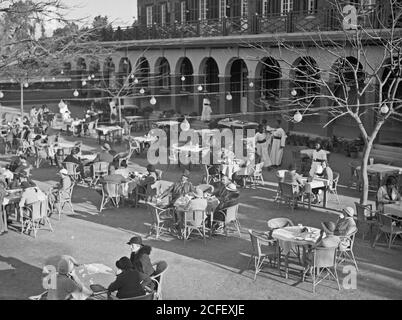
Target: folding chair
<point>194,221</point>
<point>324,266</point>
<point>387,226</point>
<point>159,217</point>
<point>258,255</point>
<point>110,192</point>
<point>100,169</point>
<point>289,194</point>
<point>72,167</point>
<point>65,197</point>
<point>256,174</point>
<point>160,269</point>
<point>230,214</point>
<point>347,253</point>
<point>34,215</point>
<point>366,218</point>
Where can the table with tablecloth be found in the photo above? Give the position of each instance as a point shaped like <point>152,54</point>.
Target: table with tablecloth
<point>381,170</point>
<point>394,209</point>
<point>109,131</point>
<point>237,124</point>
<point>142,140</point>
<point>167,123</point>
<point>12,197</point>
<point>316,184</point>
<point>290,239</point>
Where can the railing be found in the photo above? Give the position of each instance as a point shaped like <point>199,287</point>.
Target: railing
<point>295,21</point>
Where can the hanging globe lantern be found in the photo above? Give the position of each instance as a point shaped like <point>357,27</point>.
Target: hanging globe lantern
<point>76,94</point>
<point>26,84</point>
<point>229,96</point>
<point>89,78</point>
<point>185,125</point>
<point>293,93</point>
<point>142,90</point>
<point>1,94</point>
<point>152,101</point>
<point>92,76</point>
<point>200,88</point>
<point>384,109</point>
<point>84,83</point>
<point>297,117</point>
<point>62,71</point>
<point>43,79</point>
<point>183,78</point>
<point>251,84</point>
<point>136,80</point>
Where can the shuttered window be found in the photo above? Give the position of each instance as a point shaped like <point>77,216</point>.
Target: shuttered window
<point>222,8</point>
<point>183,11</point>
<point>163,14</point>
<point>287,6</point>
<point>193,10</point>
<point>149,16</point>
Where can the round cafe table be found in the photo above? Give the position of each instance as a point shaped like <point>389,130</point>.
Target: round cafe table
<point>290,239</point>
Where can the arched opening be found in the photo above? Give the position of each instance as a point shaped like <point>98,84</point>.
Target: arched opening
<point>186,71</point>
<point>142,72</point>
<point>67,68</point>
<point>162,71</point>
<point>93,79</point>
<point>238,86</point>
<point>109,73</point>
<point>210,71</point>
<point>124,78</point>
<point>269,74</point>
<point>305,76</point>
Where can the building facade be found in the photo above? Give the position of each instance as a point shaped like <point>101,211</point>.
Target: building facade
<point>231,51</point>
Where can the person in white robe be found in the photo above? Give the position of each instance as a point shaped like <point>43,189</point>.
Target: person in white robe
<point>206,110</point>
<point>318,157</point>
<point>278,144</point>
<point>262,143</point>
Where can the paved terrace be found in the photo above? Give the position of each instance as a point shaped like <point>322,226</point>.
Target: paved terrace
<point>216,270</point>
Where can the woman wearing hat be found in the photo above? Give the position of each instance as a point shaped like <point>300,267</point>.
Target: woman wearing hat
<point>139,256</point>
<point>327,239</point>
<point>129,283</point>
<point>387,193</point>
<point>345,226</point>
<point>145,184</point>
<point>105,154</point>
<point>179,188</point>
<point>229,197</point>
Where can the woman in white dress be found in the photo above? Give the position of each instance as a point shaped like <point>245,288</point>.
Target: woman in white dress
<point>262,143</point>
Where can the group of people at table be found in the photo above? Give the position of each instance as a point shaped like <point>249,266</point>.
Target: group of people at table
<point>134,277</point>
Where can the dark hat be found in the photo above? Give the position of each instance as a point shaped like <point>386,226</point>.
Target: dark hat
<point>186,173</point>
<point>23,156</point>
<point>135,240</point>
<point>25,185</point>
<point>124,263</point>
<point>150,168</point>
<point>328,226</point>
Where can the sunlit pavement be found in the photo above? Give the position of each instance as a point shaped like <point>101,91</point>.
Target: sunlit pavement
<point>215,270</point>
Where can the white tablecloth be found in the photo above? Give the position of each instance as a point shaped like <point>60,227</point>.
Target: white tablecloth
<point>289,237</point>
<point>106,130</point>
<point>394,209</point>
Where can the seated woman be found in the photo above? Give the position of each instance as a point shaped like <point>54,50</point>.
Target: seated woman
<point>292,177</point>
<point>323,172</point>
<point>140,256</point>
<point>66,283</point>
<point>387,193</point>
<point>129,283</point>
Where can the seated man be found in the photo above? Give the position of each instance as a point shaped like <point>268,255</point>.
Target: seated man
<point>145,184</point>
<point>387,193</point>
<point>345,226</point>
<point>129,283</point>
<point>139,256</point>
<point>179,188</point>
<point>105,155</point>
<point>73,158</point>
<point>113,177</point>
<point>29,195</point>
<point>66,283</point>
<point>62,189</point>
<point>220,187</point>
<point>292,177</point>
<point>227,198</point>
<point>328,241</point>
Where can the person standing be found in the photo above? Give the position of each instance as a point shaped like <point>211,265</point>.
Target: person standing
<point>262,146</point>
<point>278,144</point>
<point>206,110</point>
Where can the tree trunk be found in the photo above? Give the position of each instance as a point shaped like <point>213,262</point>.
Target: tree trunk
<point>365,183</point>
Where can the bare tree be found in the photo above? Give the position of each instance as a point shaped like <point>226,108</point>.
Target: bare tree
<point>342,92</point>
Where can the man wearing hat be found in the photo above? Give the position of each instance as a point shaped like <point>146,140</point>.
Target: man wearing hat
<point>105,155</point>
<point>180,188</point>
<point>145,184</point>
<point>30,195</point>
<point>345,226</point>
<point>73,158</point>
<point>229,197</point>
<point>327,239</point>
<point>139,256</point>
<point>199,203</point>
<point>62,188</point>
